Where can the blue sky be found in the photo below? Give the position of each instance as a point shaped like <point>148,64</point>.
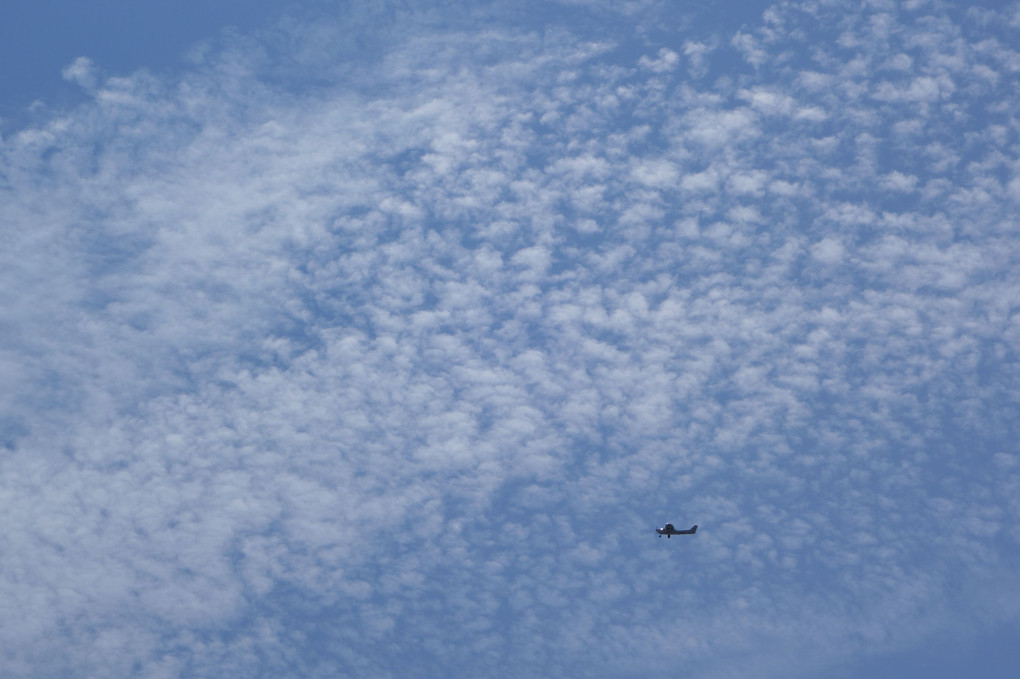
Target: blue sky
<point>38,39</point>
<point>375,339</point>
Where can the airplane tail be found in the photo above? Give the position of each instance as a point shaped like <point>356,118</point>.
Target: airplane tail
<point>694,529</point>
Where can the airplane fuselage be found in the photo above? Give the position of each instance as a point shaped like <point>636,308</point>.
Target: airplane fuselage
<point>669,531</point>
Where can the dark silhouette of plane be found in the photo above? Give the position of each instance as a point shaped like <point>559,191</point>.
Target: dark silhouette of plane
<point>669,531</point>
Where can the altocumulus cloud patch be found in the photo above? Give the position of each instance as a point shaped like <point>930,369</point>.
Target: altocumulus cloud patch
<point>385,355</point>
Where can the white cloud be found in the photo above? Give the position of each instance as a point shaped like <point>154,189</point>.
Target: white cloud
<point>749,46</point>
<point>656,173</point>
<point>717,128</point>
<point>768,101</point>
<point>696,51</point>
<point>666,61</point>
<point>82,72</point>
<point>828,251</point>
<point>897,181</point>
<point>279,360</point>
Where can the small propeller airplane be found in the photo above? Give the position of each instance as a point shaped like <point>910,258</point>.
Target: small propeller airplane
<point>669,531</point>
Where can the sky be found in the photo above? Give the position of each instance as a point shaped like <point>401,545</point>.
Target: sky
<point>376,339</point>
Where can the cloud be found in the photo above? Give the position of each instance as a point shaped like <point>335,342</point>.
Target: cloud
<point>667,60</point>
<point>399,369</point>
<point>82,72</point>
<point>828,251</point>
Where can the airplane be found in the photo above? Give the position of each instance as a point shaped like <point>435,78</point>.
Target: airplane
<point>669,531</point>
